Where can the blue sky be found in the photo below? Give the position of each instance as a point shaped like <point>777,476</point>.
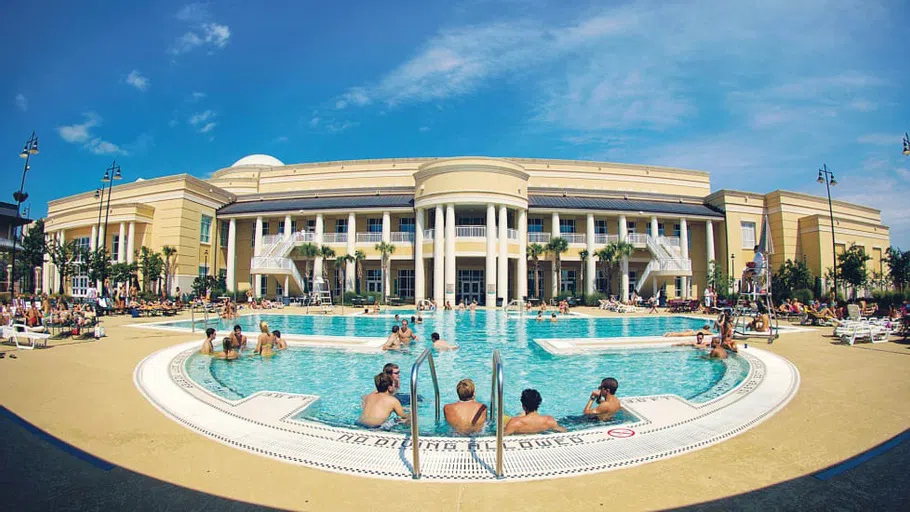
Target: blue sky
<point>758,97</point>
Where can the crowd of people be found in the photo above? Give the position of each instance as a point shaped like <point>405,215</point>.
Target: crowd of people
<point>232,346</point>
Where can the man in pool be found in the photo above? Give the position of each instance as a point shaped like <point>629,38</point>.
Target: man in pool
<point>379,405</point>
<point>207,347</point>
<point>467,415</point>
<point>238,340</point>
<point>698,343</point>
<point>717,351</point>
<point>394,340</point>
<point>406,334</point>
<point>440,344</point>
<point>391,369</point>
<point>278,343</point>
<point>603,403</point>
<point>705,329</point>
<point>531,422</point>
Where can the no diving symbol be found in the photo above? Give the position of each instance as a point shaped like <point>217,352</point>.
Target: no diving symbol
<point>621,433</point>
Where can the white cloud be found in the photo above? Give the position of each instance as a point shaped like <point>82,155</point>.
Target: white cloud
<point>423,129</point>
<point>196,96</point>
<point>21,102</point>
<point>208,127</point>
<point>193,13</point>
<point>281,139</point>
<point>201,117</point>
<point>340,126</point>
<point>137,80</point>
<point>81,133</point>
<point>204,32</point>
<point>314,122</point>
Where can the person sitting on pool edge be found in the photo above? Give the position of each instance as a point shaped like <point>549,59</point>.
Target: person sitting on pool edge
<point>277,342</point>
<point>394,341</point>
<point>207,347</point>
<point>229,353</point>
<point>531,422</point>
<point>467,415</point>
<point>379,405</point>
<point>238,340</point>
<point>604,401</point>
<point>705,329</point>
<point>440,344</point>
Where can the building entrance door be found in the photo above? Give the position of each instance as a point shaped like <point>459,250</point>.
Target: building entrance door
<point>470,286</point>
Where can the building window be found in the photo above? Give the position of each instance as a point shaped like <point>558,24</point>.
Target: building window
<point>115,247</point>
<point>374,280</point>
<point>80,284</point>
<point>281,228</point>
<point>264,287</point>
<point>568,282</point>
<point>566,226</point>
<point>253,235</point>
<point>540,285</point>
<point>406,283</point>
<point>631,228</point>
<point>748,234</point>
<point>406,224</point>
<point>535,225</point>
<point>265,227</point>
<point>677,283</point>
<point>341,225</point>
<point>311,226</point>
<point>661,230</point>
<point>205,229</point>
<point>223,233</point>
<point>471,221</point>
<point>374,225</point>
<point>676,230</point>
<point>83,243</point>
<point>293,226</point>
<point>633,280</point>
<point>279,290</point>
<point>203,270</point>
<point>600,282</point>
<point>600,227</point>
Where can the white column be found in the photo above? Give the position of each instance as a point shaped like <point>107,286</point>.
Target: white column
<point>45,270</point>
<point>522,268</point>
<point>92,244</point>
<point>287,227</point>
<point>419,287</point>
<point>438,258</point>
<point>231,263</point>
<point>624,280</point>
<point>352,238</point>
<point>61,239</point>
<point>317,261</point>
<point>684,250</point>
<point>490,271</point>
<point>654,227</point>
<point>387,238</point>
<point>555,231</point>
<point>450,254</point>
<point>121,243</point>
<point>257,246</point>
<point>131,242</point>
<point>502,287</point>
<point>709,239</point>
<point>589,264</point>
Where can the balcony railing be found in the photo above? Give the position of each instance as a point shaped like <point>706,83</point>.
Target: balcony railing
<point>470,231</point>
<point>512,234</point>
<point>304,236</point>
<point>428,235</point>
<point>638,239</point>
<point>574,238</point>
<point>402,237</point>
<point>334,238</point>
<point>268,240</point>
<point>538,238</point>
<point>669,240</point>
<point>603,239</point>
<point>369,238</point>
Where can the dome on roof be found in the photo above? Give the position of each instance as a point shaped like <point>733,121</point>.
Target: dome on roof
<point>254,160</point>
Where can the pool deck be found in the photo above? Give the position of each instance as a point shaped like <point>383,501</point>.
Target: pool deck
<point>850,400</point>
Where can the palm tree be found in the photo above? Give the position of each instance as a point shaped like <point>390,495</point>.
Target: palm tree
<point>386,250</point>
<point>583,255</point>
<point>168,252</point>
<point>556,246</point>
<point>620,250</point>
<point>326,253</point>
<point>308,252</point>
<point>359,258</point>
<point>607,257</point>
<point>534,252</point>
<point>341,271</point>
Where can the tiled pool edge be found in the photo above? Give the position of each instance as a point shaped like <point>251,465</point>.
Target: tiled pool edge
<point>262,424</point>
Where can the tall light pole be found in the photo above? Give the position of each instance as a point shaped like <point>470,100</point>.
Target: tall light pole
<point>827,177</point>
<point>906,144</point>
<point>31,148</point>
<point>111,174</point>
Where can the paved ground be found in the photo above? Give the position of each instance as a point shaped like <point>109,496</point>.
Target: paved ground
<point>851,399</point>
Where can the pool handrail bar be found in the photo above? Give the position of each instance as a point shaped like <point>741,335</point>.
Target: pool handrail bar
<point>497,408</point>
<point>427,355</point>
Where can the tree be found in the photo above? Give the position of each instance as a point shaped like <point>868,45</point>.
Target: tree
<point>791,276</point>
<point>31,252</point>
<point>535,251</point>
<point>607,257</point>
<point>66,257</point>
<point>556,246</point>
<point>386,250</point>
<point>340,271</point>
<point>898,268</point>
<point>99,264</point>
<point>583,255</point>
<point>308,252</point>
<point>170,264</point>
<point>124,272</point>
<point>327,253</point>
<point>359,258</point>
<point>150,266</point>
<point>718,280</point>
<point>851,266</point>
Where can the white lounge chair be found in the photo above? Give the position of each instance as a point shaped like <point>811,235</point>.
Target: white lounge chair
<point>24,338</point>
<point>874,333</point>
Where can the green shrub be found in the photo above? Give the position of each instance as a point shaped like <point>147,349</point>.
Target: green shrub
<point>593,299</point>
<point>803,295</point>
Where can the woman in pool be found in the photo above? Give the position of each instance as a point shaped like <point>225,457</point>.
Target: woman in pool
<point>229,353</point>
<point>264,343</point>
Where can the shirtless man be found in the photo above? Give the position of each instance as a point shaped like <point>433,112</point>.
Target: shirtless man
<point>277,342</point>
<point>238,340</point>
<point>406,334</point>
<point>380,404</point>
<point>698,343</point>
<point>391,369</point>
<point>717,351</point>
<point>467,415</point>
<point>394,341</point>
<point>705,329</point>
<point>531,422</point>
<point>603,402</point>
<point>207,347</point>
<point>229,353</point>
<point>440,344</point>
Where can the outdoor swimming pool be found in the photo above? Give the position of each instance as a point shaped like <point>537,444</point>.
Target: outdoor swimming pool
<point>341,377</point>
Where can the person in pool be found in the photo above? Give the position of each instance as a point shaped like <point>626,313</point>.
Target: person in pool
<point>698,343</point>
<point>553,317</point>
<point>406,334</point>
<point>705,329</point>
<point>531,422</point>
<point>277,342</point>
<point>238,340</point>
<point>540,316</point>
<point>397,318</point>
<point>379,405</point>
<point>419,319</point>
<point>467,415</point>
<point>207,347</point>
<point>229,353</point>
<point>440,344</point>
<point>717,350</point>
<point>394,340</point>
<point>264,342</point>
<point>391,369</point>
<point>603,403</point>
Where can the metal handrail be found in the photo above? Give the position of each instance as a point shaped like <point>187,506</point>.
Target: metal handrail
<point>496,405</point>
<point>427,355</point>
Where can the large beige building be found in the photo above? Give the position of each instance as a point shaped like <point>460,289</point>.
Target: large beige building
<point>460,226</point>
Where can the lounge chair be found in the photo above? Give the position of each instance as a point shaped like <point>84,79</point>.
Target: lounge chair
<point>20,334</point>
<point>874,333</point>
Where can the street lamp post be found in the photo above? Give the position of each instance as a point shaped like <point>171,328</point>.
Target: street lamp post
<point>111,174</point>
<point>205,280</point>
<point>732,270</point>
<point>827,177</point>
<point>31,148</point>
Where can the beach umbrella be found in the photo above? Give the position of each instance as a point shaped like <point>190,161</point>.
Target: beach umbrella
<point>765,244</point>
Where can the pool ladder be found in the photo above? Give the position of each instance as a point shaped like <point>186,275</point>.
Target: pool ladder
<point>205,316</point>
<point>495,405</point>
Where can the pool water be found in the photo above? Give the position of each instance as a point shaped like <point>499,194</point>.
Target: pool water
<point>340,377</point>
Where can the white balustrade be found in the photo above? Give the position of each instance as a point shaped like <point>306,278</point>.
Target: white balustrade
<point>669,240</point>
<point>369,238</point>
<point>429,235</point>
<point>512,234</point>
<point>638,239</point>
<point>334,238</point>
<point>538,238</point>
<point>470,231</point>
<point>402,237</point>
<point>268,240</point>
<point>602,239</point>
<point>574,238</point>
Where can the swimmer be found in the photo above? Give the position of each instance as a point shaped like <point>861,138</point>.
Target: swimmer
<point>540,316</point>
<point>473,305</point>
<point>391,369</point>
<point>419,319</point>
<point>238,340</point>
<point>604,401</point>
<point>394,341</point>
<point>264,342</point>
<point>531,422</point>
<point>717,351</point>
<point>461,306</point>
<point>229,353</point>
<point>277,342</point>
<point>698,343</point>
<point>405,333</point>
<point>207,347</point>
<point>440,344</point>
<point>397,318</point>
<point>379,405</point>
<point>553,317</point>
<point>705,329</point>
<point>467,415</point>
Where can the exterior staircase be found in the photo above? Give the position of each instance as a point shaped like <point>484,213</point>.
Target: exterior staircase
<point>274,256</point>
<point>666,260</point>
